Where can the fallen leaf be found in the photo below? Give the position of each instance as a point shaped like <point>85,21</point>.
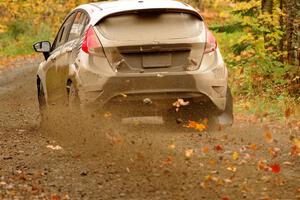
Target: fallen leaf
<point>296,147</point>
<point>208,178</point>
<point>253,147</point>
<point>225,137</point>
<point>195,125</point>
<point>107,114</point>
<point>167,161</point>
<point>242,162</point>
<point>273,151</point>
<point>231,168</point>
<point>279,181</point>
<point>225,198</point>
<point>189,153</point>
<point>235,155</point>
<point>172,146</point>
<point>227,180</point>
<point>55,197</point>
<point>275,168</point>
<point>205,149</point>
<point>247,156</point>
<point>140,156</point>
<point>287,112</point>
<point>262,165</point>
<point>215,179</point>
<point>294,150</point>
<point>203,184</point>
<point>297,143</point>
<point>57,147</point>
<point>115,139</point>
<point>218,148</point>
<point>266,179</point>
<point>66,197</point>
<point>287,163</point>
<point>205,121</point>
<point>180,102</point>
<point>2,183</point>
<point>212,162</point>
<point>268,136</point>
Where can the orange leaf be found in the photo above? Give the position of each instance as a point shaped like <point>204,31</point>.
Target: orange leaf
<point>205,149</point>
<point>294,150</point>
<point>195,125</point>
<point>212,162</point>
<point>55,197</point>
<point>167,161</point>
<point>262,165</point>
<point>273,151</point>
<point>287,112</point>
<point>252,147</point>
<point>297,143</point>
<point>268,136</point>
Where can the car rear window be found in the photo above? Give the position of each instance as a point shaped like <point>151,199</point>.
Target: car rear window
<point>152,26</point>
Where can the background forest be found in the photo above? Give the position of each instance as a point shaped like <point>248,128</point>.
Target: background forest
<point>259,39</point>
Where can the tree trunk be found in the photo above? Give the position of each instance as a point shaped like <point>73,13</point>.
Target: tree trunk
<point>281,22</point>
<point>267,6</point>
<point>293,31</point>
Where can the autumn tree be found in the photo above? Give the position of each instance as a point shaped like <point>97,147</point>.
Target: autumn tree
<point>293,31</point>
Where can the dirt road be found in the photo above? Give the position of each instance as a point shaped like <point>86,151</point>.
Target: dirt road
<point>246,161</point>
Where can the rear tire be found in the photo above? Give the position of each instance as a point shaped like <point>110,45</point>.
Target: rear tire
<point>42,103</point>
<point>73,98</point>
<point>224,119</point>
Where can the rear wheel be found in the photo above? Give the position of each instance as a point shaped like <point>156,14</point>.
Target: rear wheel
<point>225,118</point>
<point>73,98</point>
<point>42,103</point>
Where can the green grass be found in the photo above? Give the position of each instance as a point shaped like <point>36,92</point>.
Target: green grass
<point>266,109</point>
<point>19,38</point>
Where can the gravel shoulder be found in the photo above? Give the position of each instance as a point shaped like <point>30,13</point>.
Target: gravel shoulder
<point>250,160</point>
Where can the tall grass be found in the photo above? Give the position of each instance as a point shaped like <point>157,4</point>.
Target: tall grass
<point>20,36</point>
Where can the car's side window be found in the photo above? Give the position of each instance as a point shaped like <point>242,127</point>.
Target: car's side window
<point>62,36</point>
<point>78,26</point>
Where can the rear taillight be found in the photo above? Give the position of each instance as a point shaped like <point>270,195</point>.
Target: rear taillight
<point>211,42</point>
<point>91,43</point>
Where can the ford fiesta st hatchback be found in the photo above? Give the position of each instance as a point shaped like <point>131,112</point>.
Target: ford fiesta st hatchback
<point>136,58</point>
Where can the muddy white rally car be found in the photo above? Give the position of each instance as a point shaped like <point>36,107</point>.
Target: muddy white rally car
<point>136,58</point>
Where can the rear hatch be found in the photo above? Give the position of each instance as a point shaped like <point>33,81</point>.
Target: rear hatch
<point>152,41</point>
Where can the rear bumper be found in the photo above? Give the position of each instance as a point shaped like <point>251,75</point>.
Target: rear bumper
<point>99,90</point>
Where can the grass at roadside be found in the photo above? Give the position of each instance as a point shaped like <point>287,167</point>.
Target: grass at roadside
<point>19,38</point>
<point>263,109</point>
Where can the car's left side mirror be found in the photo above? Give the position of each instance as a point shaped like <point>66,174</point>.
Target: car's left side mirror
<point>43,47</point>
